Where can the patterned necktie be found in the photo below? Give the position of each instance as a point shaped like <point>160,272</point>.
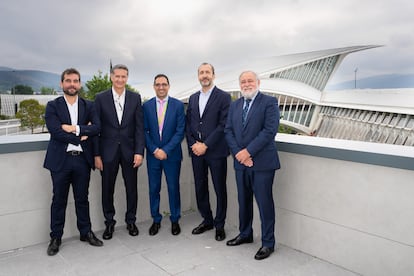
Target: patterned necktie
<point>245,110</point>
<point>161,114</point>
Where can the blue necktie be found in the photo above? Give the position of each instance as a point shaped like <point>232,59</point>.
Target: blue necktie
<point>245,110</point>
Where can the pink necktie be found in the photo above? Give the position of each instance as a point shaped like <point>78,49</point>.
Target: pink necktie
<point>161,115</point>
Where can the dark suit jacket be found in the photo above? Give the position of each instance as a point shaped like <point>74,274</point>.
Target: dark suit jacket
<point>172,132</point>
<point>129,135</point>
<point>258,134</point>
<point>57,113</point>
<point>210,127</point>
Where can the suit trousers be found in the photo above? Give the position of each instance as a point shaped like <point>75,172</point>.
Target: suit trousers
<point>218,170</point>
<point>259,184</point>
<point>75,171</point>
<point>130,177</point>
<point>172,176</point>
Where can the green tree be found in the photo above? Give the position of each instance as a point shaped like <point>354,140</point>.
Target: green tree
<point>31,114</point>
<point>286,129</point>
<point>47,91</point>
<point>23,90</point>
<point>98,84</point>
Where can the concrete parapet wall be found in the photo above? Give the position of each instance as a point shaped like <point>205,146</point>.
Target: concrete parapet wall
<point>350,206</point>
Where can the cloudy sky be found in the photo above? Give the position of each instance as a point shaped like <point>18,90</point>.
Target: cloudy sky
<point>174,37</point>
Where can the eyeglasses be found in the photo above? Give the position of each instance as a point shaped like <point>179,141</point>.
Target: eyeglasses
<point>161,84</point>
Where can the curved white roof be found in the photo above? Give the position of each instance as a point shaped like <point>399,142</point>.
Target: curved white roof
<point>387,100</point>
<point>263,67</point>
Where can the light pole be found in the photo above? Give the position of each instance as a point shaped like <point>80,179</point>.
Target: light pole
<point>14,95</point>
<point>356,70</point>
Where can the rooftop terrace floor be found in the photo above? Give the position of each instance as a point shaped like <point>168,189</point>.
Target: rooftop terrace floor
<point>163,254</point>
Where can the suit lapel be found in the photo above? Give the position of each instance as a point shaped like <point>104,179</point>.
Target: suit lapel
<point>196,105</point>
<point>210,101</point>
<point>81,111</point>
<point>109,100</point>
<point>154,114</point>
<point>65,111</point>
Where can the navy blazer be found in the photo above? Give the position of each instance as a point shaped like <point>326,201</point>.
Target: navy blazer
<point>210,127</point>
<point>57,113</point>
<point>172,132</point>
<point>258,134</point>
<point>129,135</point>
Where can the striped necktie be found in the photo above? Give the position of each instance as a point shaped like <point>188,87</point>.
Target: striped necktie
<point>245,110</point>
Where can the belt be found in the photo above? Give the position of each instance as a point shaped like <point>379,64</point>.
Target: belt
<point>74,152</point>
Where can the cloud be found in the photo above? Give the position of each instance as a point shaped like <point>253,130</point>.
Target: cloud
<point>174,37</point>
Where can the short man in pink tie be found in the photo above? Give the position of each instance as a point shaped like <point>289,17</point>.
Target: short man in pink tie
<point>164,125</point>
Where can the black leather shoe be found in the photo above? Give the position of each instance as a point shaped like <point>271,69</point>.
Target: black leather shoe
<point>220,234</point>
<point>132,229</point>
<point>154,228</point>
<point>263,253</point>
<point>175,228</point>
<point>202,228</point>
<point>239,240</point>
<point>109,230</point>
<point>92,239</point>
<point>53,247</point>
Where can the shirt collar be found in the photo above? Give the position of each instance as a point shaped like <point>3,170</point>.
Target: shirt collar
<point>116,95</point>
<point>75,103</point>
<point>208,93</point>
<point>158,99</point>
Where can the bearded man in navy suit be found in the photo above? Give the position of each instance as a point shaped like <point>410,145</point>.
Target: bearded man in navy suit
<point>164,125</point>
<point>71,121</point>
<point>121,144</point>
<point>251,127</point>
<point>206,117</point>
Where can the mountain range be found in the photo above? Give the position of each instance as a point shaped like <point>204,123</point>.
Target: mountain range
<point>10,77</point>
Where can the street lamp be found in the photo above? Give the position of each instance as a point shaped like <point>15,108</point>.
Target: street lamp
<point>14,95</point>
<point>356,70</point>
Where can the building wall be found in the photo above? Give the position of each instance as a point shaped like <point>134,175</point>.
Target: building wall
<point>27,193</point>
<point>349,208</point>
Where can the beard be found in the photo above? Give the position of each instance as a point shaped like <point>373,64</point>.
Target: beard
<point>248,94</point>
<point>71,91</point>
<point>205,82</point>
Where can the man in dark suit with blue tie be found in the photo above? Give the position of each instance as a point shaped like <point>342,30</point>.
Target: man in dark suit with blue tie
<point>205,121</point>
<point>71,122</point>
<point>251,127</point>
<point>164,124</point>
<point>121,143</point>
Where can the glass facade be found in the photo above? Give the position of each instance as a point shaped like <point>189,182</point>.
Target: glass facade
<point>315,73</point>
<point>365,125</point>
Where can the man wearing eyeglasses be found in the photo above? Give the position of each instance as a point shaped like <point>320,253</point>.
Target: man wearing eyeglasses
<point>164,124</point>
<point>120,144</point>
